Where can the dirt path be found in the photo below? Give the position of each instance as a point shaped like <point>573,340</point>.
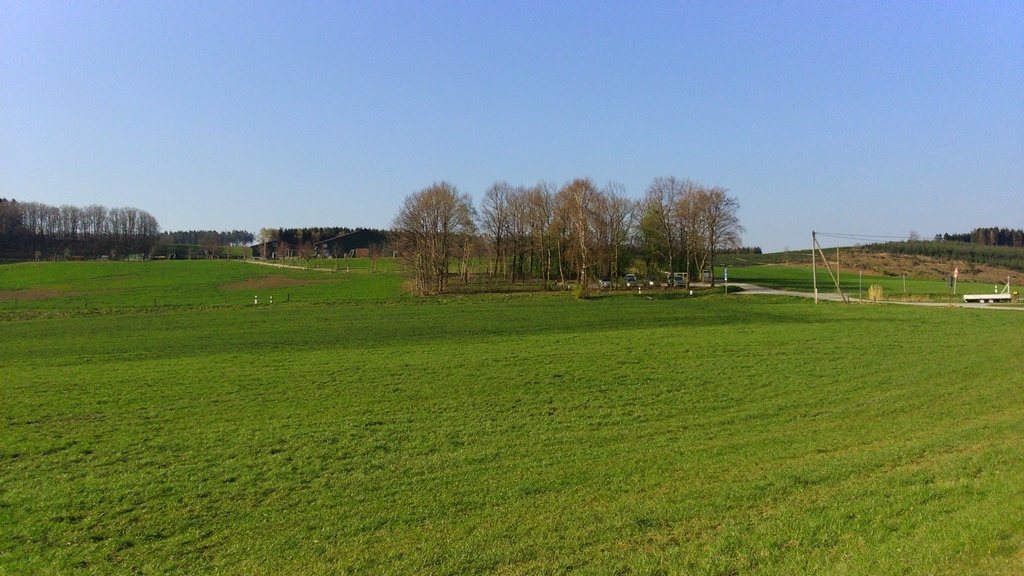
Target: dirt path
<point>289,266</point>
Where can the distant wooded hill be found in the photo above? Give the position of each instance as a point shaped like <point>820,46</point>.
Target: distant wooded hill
<point>997,247</point>
<point>988,237</point>
<point>1001,247</point>
<point>1009,257</point>
<point>946,247</point>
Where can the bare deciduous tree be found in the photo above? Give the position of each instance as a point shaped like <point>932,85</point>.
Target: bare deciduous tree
<point>376,251</point>
<point>575,206</point>
<point>210,242</point>
<point>305,251</point>
<point>95,217</point>
<point>540,213</point>
<point>721,223</point>
<point>615,213</point>
<point>691,226</point>
<point>494,223</point>
<point>430,228</point>
<point>518,240</point>
<point>660,221</point>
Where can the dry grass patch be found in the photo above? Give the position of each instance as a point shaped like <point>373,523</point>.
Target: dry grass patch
<point>267,282</point>
<point>875,293</point>
<point>31,294</point>
<point>914,266</point>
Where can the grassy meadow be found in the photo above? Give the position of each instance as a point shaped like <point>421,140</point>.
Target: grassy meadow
<point>354,430</point>
<point>111,285</point>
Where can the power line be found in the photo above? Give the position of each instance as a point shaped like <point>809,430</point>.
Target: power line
<point>859,236</point>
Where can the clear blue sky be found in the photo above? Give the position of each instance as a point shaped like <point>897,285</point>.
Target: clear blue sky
<point>853,117</point>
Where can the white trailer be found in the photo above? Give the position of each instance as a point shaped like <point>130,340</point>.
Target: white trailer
<point>1003,296</point>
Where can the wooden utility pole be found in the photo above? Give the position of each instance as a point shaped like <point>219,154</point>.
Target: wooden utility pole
<point>824,260</point>
<point>814,266</point>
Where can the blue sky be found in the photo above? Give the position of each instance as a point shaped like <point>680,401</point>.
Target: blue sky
<point>852,117</point>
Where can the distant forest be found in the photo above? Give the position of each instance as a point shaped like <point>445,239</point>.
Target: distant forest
<point>988,237</point>
<point>306,238</point>
<point>300,236</point>
<point>291,236</point>
<point>36,231</point>
<point>200,237</point>
<point>31,230</point>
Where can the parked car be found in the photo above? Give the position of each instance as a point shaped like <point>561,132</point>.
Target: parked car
<point>605,282</point>
<point>679,279</point>
<point>630,280</point>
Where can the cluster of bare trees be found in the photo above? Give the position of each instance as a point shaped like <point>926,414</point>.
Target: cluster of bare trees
<point>35,229</point>
<point>435,225</point>
<point>681,221</point>
<point>573,234</point>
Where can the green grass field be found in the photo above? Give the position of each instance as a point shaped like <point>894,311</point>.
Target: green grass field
<point>113,285</point>
<point>356,430</point>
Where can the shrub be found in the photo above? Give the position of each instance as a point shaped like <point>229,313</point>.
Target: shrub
<point>579,291</point>
<point>875,292</point>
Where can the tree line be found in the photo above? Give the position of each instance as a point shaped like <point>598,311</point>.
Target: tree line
<point>988,237</point>
<point>302,236</point>
<point>571,234</point>
<point>36,230</point>
<point>208,237</point>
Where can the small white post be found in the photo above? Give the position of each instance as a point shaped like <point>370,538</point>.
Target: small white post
<point>256,299</point>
